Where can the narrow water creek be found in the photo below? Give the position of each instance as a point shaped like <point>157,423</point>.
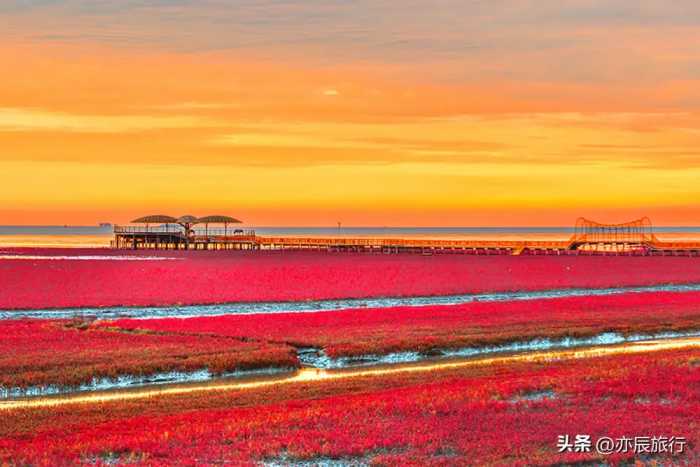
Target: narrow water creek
<point>311,306</point>
<point>537,351</point>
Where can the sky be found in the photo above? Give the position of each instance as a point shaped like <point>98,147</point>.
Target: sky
<point>367,112</point>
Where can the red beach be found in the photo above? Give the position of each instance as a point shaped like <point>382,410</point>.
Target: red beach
<point>208,277</point>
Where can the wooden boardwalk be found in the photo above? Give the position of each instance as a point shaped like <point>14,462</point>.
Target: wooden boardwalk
<point>144,238</point>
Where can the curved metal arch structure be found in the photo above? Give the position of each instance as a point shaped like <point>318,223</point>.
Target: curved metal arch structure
<point>638,232</point>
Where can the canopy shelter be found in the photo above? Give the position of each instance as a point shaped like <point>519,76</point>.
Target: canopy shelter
<point>187,222</point>
<point>217,219</point>
<point>179,232</point>
<point>155,219</point>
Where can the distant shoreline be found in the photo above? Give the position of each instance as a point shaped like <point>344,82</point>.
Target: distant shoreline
<point>100,237</point>
<point>107,229</point>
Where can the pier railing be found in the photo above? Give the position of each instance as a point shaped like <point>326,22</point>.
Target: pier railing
<point>219,232</point>
<point>413,242</point>
<point>140,229</point>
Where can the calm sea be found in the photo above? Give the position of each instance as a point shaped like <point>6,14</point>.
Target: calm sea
<point>87,236</point>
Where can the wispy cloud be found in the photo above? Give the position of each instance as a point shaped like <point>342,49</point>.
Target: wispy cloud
<point>506,39</point>
<point>22,119</point>
<point>196,105</point>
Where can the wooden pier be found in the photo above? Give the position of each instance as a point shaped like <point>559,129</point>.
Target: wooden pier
<point>138,238</point>
<point>590,238</point>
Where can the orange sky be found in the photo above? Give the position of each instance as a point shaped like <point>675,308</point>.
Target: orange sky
<point>281,113</point>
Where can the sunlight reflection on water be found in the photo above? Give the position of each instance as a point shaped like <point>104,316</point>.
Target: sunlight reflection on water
<point>316,375</point>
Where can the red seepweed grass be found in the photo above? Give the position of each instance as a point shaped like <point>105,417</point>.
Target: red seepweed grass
<point>426,328</point>
<point>70,353</point>
<point>228,276</point>
<point>507,414</point>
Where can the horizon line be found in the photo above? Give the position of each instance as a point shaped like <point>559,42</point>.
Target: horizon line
<point>330,226</point>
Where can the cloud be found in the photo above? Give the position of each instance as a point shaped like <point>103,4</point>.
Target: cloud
<point>22,119</point>
<point>506,38</point>
<point>196,105</point>
<point>16,6</point>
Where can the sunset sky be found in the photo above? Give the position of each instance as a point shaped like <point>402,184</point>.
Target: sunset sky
<point>369,112</point>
